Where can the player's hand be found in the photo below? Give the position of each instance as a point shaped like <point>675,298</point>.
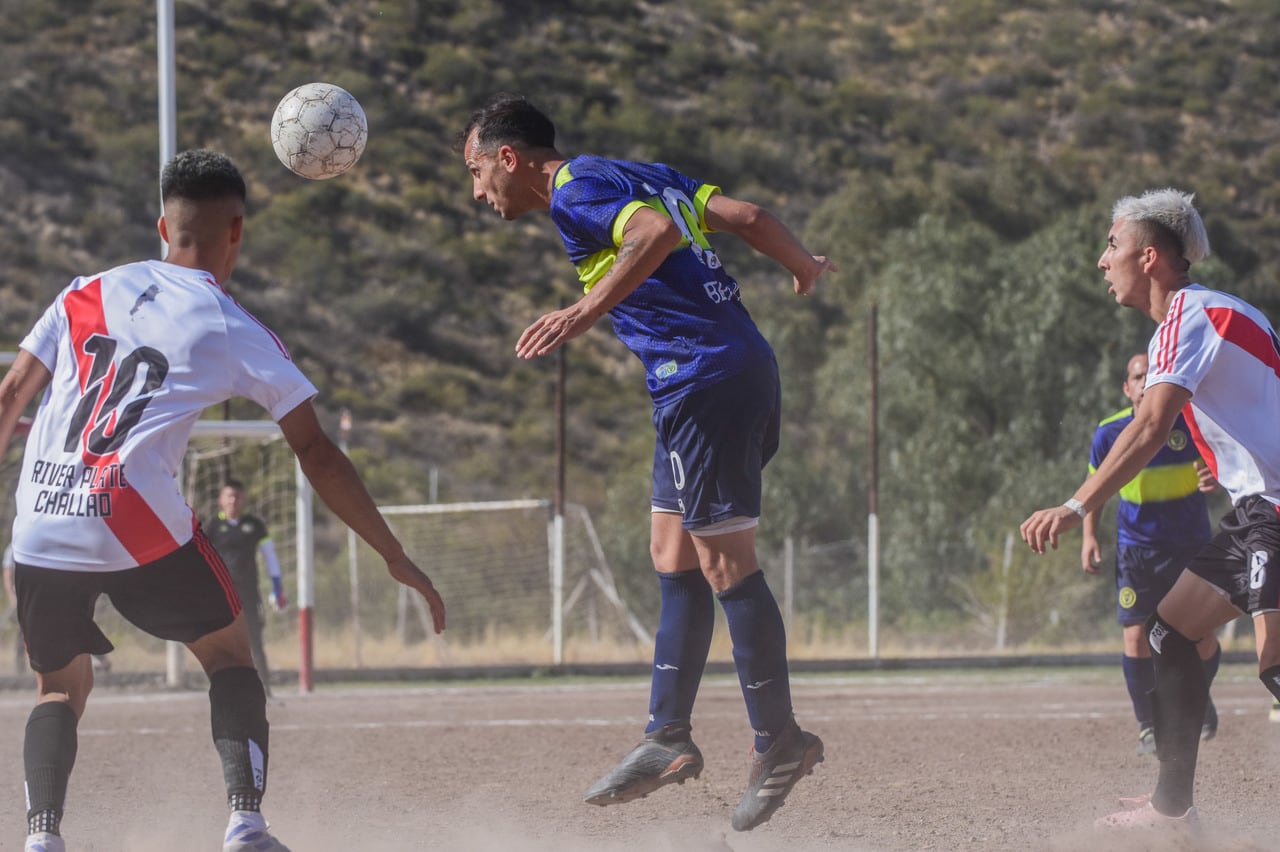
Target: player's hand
<point>804,283</point>
<point>551,331</point>
<point>1090,555</point>
<point>278,601</point>
<point>1044,527</point>
<point>1207,483</point>
<point>404,571</point>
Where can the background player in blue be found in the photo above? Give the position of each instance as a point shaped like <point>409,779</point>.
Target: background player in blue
<point>637,234</point>
<point>1161,522</point>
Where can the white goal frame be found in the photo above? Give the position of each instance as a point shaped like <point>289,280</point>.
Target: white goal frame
<point>304,536</point>
<point>599,575</point>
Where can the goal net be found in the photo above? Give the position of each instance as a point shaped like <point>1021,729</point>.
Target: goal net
<point>514,593</point>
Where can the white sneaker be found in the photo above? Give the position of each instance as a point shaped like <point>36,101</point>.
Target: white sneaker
<point>1147,818</point>
<point>43,841</point>
<point>1275,711</point>
<point>247,832</point>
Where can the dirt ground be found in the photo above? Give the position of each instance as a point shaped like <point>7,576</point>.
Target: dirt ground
<point>998,760</point>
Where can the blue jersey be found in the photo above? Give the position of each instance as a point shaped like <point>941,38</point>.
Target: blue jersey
<point>686,322</point>
<point>1162,507</point>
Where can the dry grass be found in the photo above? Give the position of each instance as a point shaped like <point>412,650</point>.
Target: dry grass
<point>336,649</point>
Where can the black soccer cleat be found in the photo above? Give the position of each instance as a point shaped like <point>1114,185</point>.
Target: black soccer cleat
<point>665,756</point>
<point>791,757</point>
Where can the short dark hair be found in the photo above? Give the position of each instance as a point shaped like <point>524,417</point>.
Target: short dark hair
<point>201,175</point>
<point>233,483</point>
<point>509,119</point>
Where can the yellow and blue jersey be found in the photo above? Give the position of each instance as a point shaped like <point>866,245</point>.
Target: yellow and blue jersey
<point>1161,507</point>
<point>686,322</point>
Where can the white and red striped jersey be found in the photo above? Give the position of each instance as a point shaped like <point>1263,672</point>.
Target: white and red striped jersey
<point>136,353</point>
<point>1226,353</point>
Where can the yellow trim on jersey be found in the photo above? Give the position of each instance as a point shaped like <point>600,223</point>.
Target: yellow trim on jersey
<point>592,269</point>
<point>595,267</point>
<point>700,201</point>
<point>1160,484</point>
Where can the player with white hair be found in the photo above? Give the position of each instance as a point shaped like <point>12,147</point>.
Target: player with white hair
<point>1215,359</point>
<point>1166,213</point>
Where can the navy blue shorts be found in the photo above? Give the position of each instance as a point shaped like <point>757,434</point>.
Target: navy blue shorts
<point>1144,575</point>
<point>181,596</point>
<point>712,446</point>
<point>1243,559</point>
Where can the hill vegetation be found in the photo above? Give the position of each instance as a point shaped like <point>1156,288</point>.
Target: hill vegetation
<point>956,159</point>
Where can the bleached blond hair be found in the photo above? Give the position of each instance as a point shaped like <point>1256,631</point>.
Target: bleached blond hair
<point>1170,211</point>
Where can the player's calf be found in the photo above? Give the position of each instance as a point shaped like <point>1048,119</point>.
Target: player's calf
<point>238,716</point>
<point>1178,708</point>
<point>48,754</point>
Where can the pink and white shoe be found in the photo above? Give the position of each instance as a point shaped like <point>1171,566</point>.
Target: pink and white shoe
<point>1145,817</point>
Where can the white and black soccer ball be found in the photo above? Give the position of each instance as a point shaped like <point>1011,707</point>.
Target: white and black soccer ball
<point>319,130</point>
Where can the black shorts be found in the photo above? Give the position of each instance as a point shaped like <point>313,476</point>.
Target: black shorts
<point>181,597</point>
<point>1243,560</point>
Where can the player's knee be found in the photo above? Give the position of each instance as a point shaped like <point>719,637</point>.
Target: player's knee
<point>1167,644</point>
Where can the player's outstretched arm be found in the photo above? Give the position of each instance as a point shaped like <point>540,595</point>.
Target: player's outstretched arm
<point>1136,445</point>
<point>765,233</point>
<point>336,481</point>
<point>647,239</point>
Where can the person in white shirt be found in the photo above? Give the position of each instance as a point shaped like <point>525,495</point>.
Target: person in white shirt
<point>1215,359</point>
<point>126,361</point>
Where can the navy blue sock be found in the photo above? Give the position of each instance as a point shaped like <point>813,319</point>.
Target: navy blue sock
<point>680,648</point>
<point>760,654</point>
<point>1140,677</point>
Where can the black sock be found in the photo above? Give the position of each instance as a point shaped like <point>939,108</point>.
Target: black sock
<point>1177,708</point>
<point>48,755</point>
<point>238,715</point>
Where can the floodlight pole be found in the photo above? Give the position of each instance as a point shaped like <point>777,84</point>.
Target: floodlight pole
<point>167,103</point>
<point>557,521</point>
<point>873,498</point>
<point>167,89</point>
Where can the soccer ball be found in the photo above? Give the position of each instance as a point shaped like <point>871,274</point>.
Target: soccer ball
<point>319,130</point>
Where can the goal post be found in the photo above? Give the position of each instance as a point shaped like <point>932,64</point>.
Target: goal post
<point>520,583</point>
<point>217,450</point>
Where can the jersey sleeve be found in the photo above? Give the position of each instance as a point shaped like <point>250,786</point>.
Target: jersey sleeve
<point>42,340</point>
<point>586,210</point>
<point>1099,448</point>
<point>261,524</point>
<point>1183,347</point>
<point>263,370</point>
